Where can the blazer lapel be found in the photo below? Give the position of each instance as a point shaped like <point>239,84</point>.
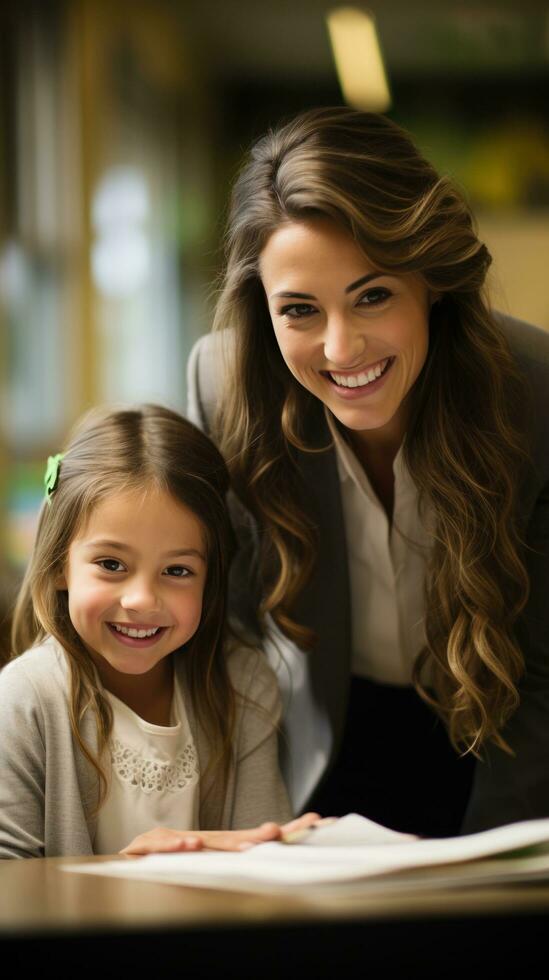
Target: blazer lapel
<point>325,603</point>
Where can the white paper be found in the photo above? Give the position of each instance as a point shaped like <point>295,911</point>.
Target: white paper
<point>276,866</point>
<point>352,829</point>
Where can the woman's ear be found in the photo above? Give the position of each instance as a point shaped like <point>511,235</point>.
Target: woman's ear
<point>61,581</point>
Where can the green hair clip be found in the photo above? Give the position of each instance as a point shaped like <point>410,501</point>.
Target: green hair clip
<point>51,476</point>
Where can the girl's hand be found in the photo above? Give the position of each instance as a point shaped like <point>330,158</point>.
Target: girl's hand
<point>162,840</point>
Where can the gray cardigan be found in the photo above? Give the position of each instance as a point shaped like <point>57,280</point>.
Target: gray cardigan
<point>315,686</point>
<point>48,789</point>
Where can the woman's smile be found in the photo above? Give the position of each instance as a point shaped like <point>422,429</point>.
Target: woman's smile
<point>355,384</point>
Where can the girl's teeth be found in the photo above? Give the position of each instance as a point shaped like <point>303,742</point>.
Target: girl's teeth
<point>136,634</point>
<point>364,378</point>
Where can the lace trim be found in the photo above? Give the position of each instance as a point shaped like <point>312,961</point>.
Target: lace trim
<point>150,775</point>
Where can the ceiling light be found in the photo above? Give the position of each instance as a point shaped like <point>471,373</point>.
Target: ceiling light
<point>357,55</point>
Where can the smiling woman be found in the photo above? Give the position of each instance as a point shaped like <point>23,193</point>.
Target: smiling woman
<point>360,341</point>
<point>386,437</point>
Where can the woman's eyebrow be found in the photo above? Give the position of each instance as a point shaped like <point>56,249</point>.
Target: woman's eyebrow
<point>293,295</point>
<point>361,282</point>
<point>348,289</point>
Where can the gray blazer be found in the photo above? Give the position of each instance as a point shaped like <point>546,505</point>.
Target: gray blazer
<point>315,686</point>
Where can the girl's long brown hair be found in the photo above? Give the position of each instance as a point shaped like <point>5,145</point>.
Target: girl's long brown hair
<point>112,452</point>
<point>462,448</point>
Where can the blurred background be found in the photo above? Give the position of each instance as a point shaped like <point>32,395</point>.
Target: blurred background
<point>122,124</point>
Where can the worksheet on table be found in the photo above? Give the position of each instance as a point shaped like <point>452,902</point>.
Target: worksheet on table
<point>349,851</point>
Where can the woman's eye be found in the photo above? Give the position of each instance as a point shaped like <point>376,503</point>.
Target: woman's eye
<point>375,296</point>
<point>178,571</point>
<point>110,565</point>
<point>297,311</point>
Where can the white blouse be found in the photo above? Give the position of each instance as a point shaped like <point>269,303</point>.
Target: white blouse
<point>387,567</point>
<point>154,777</point>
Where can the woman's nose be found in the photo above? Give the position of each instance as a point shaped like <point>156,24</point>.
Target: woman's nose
<point>140,595</point>
<point>343,342</point>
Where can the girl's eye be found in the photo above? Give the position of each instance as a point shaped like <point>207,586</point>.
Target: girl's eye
<point>374,296</point>
<point>178,571</point>
<point>297,311</point>
<point>111,565</point>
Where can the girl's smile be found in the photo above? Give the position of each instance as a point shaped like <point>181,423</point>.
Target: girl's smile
<point>137,634</point>
<point>354,336</point>
<point>135,576</point>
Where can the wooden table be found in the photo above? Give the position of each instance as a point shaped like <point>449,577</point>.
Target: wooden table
<point>88,925</point>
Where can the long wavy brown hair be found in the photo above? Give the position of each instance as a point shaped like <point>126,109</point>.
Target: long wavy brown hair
<point>112,452</point>
<point>463,448</point>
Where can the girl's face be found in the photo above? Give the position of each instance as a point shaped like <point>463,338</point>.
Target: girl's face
<point>351,335</point>
<point>135,576</point>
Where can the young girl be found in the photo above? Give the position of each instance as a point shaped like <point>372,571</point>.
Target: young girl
<point>132,706</point>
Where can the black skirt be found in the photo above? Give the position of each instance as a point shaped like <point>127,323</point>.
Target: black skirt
<point>396,765</point>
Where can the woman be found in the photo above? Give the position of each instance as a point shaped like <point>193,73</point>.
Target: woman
<point>387,441</point>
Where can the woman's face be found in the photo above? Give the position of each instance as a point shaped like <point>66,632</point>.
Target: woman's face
<point>355,337</point>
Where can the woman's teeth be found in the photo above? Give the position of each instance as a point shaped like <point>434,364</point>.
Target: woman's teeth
<point>364,378</point>
<point>136,634</point>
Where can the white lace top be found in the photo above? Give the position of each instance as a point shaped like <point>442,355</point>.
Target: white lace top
<point>154,777</point>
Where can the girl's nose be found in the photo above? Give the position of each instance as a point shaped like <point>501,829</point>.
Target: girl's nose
<point>343,342</point>
<point>140,596</point>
